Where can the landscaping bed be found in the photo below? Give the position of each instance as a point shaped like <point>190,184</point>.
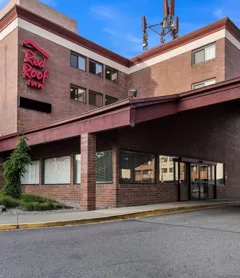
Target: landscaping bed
<point>28,202</point>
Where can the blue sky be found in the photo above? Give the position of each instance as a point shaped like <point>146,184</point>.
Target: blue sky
<point>116,24</point>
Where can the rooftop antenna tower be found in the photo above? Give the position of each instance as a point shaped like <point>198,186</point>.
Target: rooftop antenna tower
<point>169,25</point>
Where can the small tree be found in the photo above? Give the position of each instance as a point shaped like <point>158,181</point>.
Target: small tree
<point>15,167</point>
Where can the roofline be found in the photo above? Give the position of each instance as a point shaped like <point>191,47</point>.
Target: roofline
<point>54,28</point>
<point>136,103</point>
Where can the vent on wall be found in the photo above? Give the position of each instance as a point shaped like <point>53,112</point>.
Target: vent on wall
<point>31,104</point>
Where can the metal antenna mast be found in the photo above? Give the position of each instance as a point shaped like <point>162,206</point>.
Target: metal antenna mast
<point>169,25</point>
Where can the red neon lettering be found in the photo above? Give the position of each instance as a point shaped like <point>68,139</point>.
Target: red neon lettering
<point>33,67</point>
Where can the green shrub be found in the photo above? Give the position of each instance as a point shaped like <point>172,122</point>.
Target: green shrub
<point>27,198</point>
<point>15,167</point>
<point>9,202</point>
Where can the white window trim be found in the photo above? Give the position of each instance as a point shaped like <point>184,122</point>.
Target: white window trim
<point>202,48</point>
<point>206,83</point>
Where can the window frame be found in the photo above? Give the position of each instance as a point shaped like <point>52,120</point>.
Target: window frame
<point>91,60</point>
<point>78,87</point>
<point>96,93</point>
<point>140,152</point>
<point>109,97</point>
<point>105,182</point>
<point>78,55</point>
<point>111,69</point>
<point>39,173</point>
<point>200,49</point>
<point>43,169</point>
<point>204,82</point>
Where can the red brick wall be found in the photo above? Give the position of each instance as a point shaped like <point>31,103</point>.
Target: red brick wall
<point>145,194</point>
<point>232,61</point>
<point>57,87</point>
<point>177,74</point>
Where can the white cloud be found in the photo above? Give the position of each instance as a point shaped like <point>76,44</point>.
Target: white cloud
<point>218,13</point>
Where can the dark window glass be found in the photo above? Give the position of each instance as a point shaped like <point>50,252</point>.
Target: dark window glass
<point>111,74</point>
<point>78,61</point>
<point>95,99</point>
<point>135,167</point>
<point>95,68</point>
<point>110,100</point>
<point>104,166</point>
<point>74,60</point>
<point>78,93</point>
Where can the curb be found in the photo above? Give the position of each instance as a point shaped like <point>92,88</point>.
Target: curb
<point>98,220</point>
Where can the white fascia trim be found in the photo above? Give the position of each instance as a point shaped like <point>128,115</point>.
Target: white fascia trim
<point>11,27</point>
<point>18,22</point>
<point>232,39</point>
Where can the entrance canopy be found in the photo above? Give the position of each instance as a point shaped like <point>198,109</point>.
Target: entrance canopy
<point>128,113</point>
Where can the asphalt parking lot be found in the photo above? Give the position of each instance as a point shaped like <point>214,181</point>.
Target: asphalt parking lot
<point>204,244</point>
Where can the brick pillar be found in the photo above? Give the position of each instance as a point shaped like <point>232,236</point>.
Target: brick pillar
<point>88,172</point>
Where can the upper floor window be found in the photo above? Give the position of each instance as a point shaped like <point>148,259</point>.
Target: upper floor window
<point>111,74</point>
<point>78,93</point>
<point>95,99</point>
<point>78,61</point>
<point>96,68</point>
<point>204,54</point>
<point>203,83</point>
<point>110,100</point>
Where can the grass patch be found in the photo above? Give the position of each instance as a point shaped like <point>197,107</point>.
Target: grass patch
<point>30,203</point>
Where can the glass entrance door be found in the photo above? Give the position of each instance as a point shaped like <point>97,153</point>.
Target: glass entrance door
<point>201,178</point>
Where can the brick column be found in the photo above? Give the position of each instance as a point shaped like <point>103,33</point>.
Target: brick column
<point>88,172</point>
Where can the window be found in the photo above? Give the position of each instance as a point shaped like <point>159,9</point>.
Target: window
<point>78,61</point>
<point>111,74</point>
<point>96,68</point>
<point>104,166</point>
<point>57,170</point>
<point>95,99</point>
<point>78,93</point>
<point>134,167</point>
<point>110,100</point>
<point>204,54</point>
<point>203,83</point>
<point>32,174</point>
<point>77,169</point>
<point>220,173</point>
<point>166,172</point>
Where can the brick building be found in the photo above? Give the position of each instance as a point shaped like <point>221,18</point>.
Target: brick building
<point>177,140</point>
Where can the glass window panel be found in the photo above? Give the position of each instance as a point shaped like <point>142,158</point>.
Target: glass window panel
<point>111,74</point>
<point>135,167</point>
<point>220,173</point>
<point>198,86</point>
<point>104,167</point>
<point>95,68</point>
<point>210,82</point>
<point>99,70</point>
<point>74,60</point>
<point>166,165</point>
<point>77,169</point>
<point>210,52</point>
<point>110,100</point>
<point>32,174</point>
<point>77,93</point>
<point>199,56</point>
<point>57,170</point>
<point>82,63</point>
<point>92,67</point>
<point>95,99</point>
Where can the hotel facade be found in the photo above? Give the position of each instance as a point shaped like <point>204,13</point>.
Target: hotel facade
<point>178,140</point>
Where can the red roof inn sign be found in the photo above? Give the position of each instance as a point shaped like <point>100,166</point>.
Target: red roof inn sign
<point>34,68</point>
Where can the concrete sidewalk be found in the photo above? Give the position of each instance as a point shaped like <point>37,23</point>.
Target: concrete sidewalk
<point>105,215</point>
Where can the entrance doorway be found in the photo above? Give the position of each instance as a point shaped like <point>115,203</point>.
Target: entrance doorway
<point>197,180</point>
